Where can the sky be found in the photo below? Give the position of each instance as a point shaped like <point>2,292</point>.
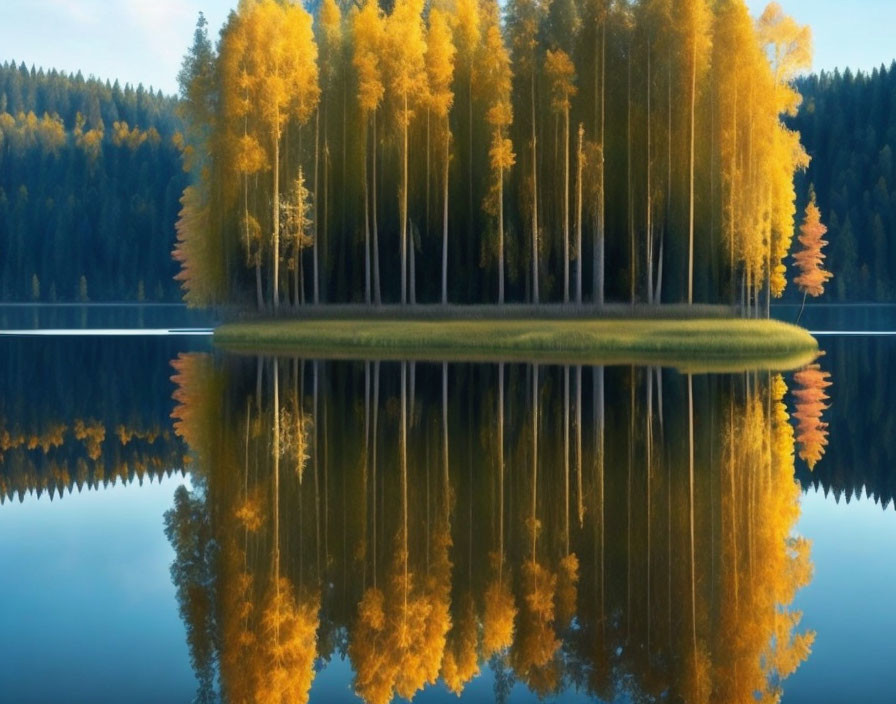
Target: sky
<point>143,41</point>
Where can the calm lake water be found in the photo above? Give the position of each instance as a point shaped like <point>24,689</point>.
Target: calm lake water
<point>180,524</point>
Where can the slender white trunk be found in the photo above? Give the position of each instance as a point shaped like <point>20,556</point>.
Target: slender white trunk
<point>445,212</point>
<point>276,215</point>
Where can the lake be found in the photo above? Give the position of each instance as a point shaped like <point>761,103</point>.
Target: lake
<point>179,524</point>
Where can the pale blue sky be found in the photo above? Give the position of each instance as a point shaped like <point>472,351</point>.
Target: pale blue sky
<point>143,40</point>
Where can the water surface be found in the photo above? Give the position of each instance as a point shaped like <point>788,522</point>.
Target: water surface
<point>352,531</point>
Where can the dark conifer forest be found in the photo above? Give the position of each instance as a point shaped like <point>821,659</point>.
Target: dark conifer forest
<point>848,126</point>
<point>90,178</point>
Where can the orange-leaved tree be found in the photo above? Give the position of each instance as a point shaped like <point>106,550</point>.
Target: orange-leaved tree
<point>810,259</point>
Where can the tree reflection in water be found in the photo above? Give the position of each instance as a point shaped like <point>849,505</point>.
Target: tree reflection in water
<point>627,533</point>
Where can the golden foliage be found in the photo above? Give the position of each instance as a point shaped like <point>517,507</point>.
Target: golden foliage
<point>440,55</point>
<point>561,72</point>
<point>287,646</point>
<point>369,38</point>
<point>497,619</point>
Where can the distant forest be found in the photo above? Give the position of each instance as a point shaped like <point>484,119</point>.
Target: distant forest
<point>847,122</point>
<point>90,178</point>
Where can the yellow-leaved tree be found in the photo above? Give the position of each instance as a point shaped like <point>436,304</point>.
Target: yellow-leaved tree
<point>285,87</point>
<point>496,67</point>
<point>694,45</point>
<point>561,74</point>
<point>369,40</point>
<point>406,52</point>
<point>440,57</point>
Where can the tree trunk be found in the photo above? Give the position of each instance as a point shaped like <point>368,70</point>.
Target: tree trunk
<point>445,213</point>
<point>404,203</point>
<point>691,176</point>
<point>566,205</point>
<point>579,258</point>
<point>276,215</point>
<point>802,308</point>
<point>599,230</point>
<point>366,186</point>
<point>317,226</point>
<point>413,254</point>
<point>534,197</point>
<point>470,242</point>
<point>501,235</point>
<point>649,168</point>
<point>628,169</point>
<point>376,239</point>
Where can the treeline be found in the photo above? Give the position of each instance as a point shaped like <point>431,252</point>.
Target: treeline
<point>90,178</point>
<point>848,124</point>
<point>467,152</point>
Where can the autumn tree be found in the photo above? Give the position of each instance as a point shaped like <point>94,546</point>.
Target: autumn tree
<point>694,18</point>
<point>440,58</point>
<point>331,53</point>
<point>561,73</point>
<point>298,226</point>
<point>810,259</point>
<point>468,39</point>
<point>285,87</point>
<point>406,51</point>
<point>369,36</point>
<point>500,116</point>
<point>524,18</point>
<point>789,49</point>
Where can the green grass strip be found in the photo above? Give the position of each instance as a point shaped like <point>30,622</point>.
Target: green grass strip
<point>702,345</point>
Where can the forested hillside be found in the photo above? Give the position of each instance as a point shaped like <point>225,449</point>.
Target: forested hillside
<point>90,177</point>
<point>848,125</point>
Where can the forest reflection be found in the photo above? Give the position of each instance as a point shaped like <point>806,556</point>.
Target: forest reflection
<point>624,532</point>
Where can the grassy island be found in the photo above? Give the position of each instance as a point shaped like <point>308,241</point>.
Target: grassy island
<point>704,344</point>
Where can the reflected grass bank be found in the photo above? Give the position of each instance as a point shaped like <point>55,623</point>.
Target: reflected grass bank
<point>693,345</point>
